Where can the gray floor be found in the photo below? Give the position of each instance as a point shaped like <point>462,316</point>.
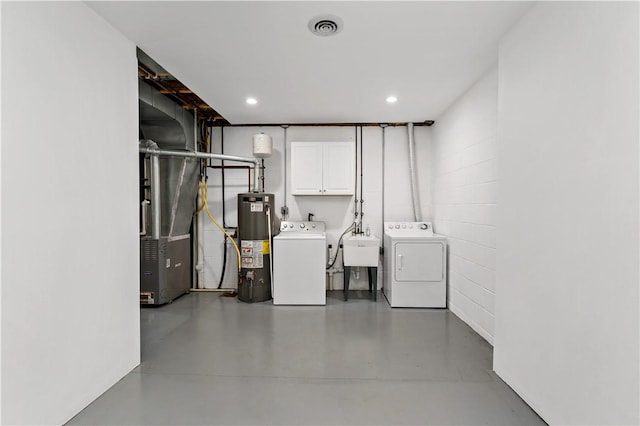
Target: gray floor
<point>207,359</point>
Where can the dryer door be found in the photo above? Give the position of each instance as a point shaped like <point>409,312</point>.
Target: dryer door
<point>419,261</point>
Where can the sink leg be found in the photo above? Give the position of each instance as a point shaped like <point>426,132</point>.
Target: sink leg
<point>373,281</point>
<point>347,275</point>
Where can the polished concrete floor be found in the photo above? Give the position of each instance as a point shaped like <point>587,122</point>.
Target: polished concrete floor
<point>210,360</point>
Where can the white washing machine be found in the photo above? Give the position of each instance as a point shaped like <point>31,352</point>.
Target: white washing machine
<point>415,266</point>
<point>299,264</point>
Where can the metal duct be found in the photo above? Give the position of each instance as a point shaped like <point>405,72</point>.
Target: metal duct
<point>170,126</point>
<point>179,190</point>
<point>415,196</point>
<point>163,121</point>
<point>174,188</point>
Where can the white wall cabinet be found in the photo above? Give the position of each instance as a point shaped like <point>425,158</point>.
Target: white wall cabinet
<point>322,168</point>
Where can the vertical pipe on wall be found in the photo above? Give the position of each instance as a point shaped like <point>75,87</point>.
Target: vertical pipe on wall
<point>199,222</point>
<point>361,183</point>
<point>195,233</point>
<point>355,183</point>
<point>417,214</point>
<point>224,213</point>
<point>155,196</point>
<point>284,211</point>
<point>195,129</point>
<point>384,128</point>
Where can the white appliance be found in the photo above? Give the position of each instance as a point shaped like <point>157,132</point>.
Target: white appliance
<point>415,266</point>
<point>299,264</point>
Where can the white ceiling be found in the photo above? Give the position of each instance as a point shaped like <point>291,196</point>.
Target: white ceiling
<point>425,53</point>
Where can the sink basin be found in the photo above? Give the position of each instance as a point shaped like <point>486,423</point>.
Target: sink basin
<point>361,250</point>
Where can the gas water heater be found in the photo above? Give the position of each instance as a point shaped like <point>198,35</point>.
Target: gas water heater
<point>257,224</point>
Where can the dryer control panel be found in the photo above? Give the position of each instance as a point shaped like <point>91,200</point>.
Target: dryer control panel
<point>421,228</point>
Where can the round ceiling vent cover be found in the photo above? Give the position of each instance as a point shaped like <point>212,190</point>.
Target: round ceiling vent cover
<point>325,25</point>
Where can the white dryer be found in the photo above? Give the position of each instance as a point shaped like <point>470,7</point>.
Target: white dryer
<point>415,266</point>
<point>299,264</point>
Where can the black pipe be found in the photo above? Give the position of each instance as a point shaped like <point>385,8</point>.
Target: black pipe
<point>397,124</point>
<point>231,167</point>
<point>224,220</point>
<point>224,262</point>
<point>224,224</point>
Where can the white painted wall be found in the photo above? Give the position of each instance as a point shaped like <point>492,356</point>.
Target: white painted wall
<point>461,170</point>
<point>1,220</point>
<point>70,276</point>
<point>335,211</point>
<point>566,331</point>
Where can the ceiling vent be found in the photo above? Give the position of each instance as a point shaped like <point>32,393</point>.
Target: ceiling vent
<point>325,25</point>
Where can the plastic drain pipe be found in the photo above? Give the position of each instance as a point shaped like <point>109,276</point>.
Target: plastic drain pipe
<point>415,196</point>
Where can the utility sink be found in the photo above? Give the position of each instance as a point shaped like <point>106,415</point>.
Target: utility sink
<point>361,250</point>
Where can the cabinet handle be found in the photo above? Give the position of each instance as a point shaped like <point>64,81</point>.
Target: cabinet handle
<point>400,263</point>
<point>319,190</point>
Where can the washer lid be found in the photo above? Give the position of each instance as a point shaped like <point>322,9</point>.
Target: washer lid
<point>299,236</point>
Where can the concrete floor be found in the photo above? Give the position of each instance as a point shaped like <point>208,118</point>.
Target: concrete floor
<point>210,360</point>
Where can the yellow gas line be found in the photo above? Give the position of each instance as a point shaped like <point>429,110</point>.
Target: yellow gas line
<point>203,191</point>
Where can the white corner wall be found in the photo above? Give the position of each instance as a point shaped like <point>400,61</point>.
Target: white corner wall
<point>462,165</point>
<point>566,332</point>
<point>70,272</point>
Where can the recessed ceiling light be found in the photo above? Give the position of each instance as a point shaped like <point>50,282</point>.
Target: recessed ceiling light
<point>392,99</point>
<point>252,101</point>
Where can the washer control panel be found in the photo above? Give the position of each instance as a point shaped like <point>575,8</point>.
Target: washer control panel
<point>302,226</point>
<point>412,227</point>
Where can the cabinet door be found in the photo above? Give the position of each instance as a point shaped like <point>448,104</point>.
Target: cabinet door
<point>338,169</point>
<point>306,168</point>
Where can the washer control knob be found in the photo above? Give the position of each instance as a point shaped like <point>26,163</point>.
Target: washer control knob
<point>302,225</point>
<point>397,226</point>
<point>404,226</point>
<point>390,226</point>
<point>424,226</point>
<point>313,225</point>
